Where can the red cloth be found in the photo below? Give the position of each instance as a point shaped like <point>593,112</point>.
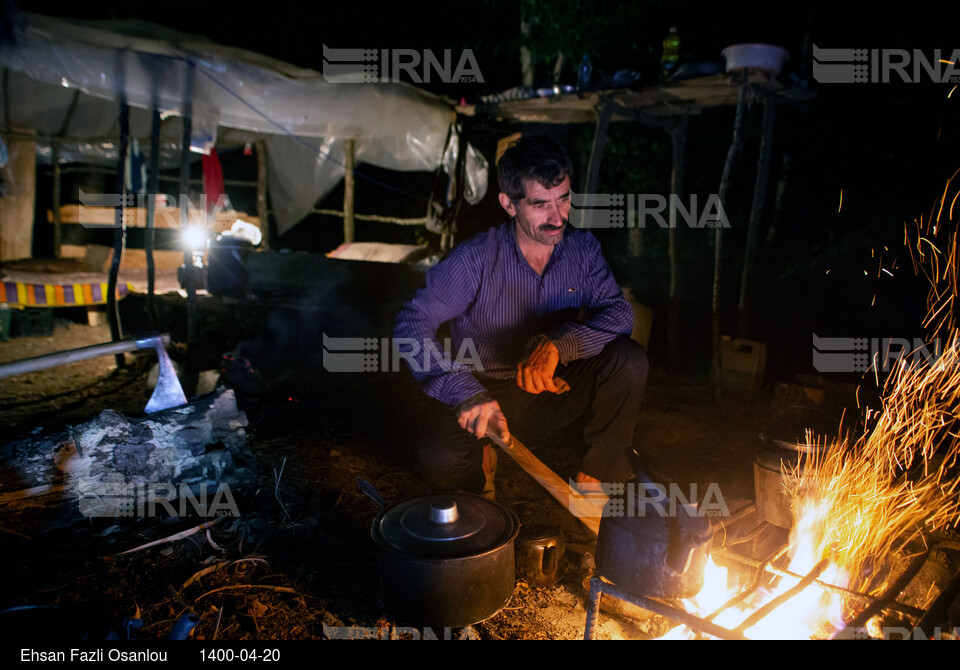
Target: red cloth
<point>212,180</point>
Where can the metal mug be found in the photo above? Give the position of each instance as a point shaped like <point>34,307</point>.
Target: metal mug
<point>540,554</point>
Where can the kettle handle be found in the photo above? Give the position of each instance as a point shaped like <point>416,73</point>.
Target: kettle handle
<point>371,491</point>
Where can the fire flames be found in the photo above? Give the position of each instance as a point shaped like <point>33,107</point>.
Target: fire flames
<point>860,502</point>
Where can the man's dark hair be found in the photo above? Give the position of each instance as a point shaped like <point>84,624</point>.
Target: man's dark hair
<point>538,158</point>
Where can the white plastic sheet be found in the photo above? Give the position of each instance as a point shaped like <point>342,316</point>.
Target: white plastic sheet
<point>397,126</point>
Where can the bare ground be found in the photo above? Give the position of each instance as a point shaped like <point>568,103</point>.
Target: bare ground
<point>300,558</point>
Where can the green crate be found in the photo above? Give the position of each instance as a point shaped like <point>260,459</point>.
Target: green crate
<point>31,322</point>
<point>5,323</point>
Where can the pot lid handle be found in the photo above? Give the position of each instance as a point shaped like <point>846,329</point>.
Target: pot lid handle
<point>444,511</point>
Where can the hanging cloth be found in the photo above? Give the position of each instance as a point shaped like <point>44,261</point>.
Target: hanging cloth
<point>212,180</point>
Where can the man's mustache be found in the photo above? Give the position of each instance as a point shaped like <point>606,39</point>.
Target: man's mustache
<point>551,226</point>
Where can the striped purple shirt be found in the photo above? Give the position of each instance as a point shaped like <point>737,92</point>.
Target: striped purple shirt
<point>488,292</point>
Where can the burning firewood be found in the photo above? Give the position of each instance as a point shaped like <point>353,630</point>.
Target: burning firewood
<point>865,498</point>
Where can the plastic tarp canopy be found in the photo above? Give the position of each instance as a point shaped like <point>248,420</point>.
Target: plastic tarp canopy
<point>303,118</point>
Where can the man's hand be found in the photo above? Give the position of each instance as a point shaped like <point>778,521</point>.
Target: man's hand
<point>535,373</point>
<point>481,413</point>
<point>588,484</point>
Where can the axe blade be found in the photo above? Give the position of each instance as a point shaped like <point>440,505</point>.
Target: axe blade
<point>168,392</point>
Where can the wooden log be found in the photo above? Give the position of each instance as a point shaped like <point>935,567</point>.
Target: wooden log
<point>111,465</point>
<point>587,509</point>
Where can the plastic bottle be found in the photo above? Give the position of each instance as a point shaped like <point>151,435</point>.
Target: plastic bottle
<point>671,54</point>
<point>584,72</point>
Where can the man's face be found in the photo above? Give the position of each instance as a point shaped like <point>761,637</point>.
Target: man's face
<point>543,212</point>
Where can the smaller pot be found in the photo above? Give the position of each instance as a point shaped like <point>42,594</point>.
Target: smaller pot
<point>540,554</point>
<point>773,480</point>
<point>786,450</point>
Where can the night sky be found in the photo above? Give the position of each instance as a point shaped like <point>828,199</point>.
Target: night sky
<point>890,148</point>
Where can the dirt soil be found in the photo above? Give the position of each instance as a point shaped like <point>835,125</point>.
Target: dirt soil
<point>299,560</point>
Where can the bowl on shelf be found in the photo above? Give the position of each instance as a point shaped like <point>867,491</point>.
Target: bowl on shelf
<point>766,58</point>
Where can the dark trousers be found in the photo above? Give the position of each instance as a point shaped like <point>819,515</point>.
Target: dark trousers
<point>604,389</point>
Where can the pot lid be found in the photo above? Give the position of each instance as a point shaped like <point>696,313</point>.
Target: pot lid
<point>444,525</point>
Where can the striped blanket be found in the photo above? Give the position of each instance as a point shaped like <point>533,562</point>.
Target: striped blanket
<point>24,294</point>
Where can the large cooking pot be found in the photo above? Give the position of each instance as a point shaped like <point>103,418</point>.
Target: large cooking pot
<point>649,547</point>
<point>446,559</point>
<point>794,436</point>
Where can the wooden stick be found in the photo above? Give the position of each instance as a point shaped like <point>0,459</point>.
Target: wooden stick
<point>175,537</point>
<point>587,511</point>
<point>348,191</point>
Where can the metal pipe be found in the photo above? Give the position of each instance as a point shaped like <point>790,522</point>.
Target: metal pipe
<point>145,341</point>
<point>744,511</point>
<point>889,594</point>
<point>751,588</point>
<point>937,613</point>
<point>663,609</point>
<point>593,609</point>
<point>832,588</point>
<point>761,612</point>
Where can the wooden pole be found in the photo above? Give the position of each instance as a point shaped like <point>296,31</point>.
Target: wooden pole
<point>756,214</point>
<point>119,232</point>
<point>261,148</point>
<point>152,187</point>
<point>779,196</point>
<point>718,237</point>
<point>189,379</point>
<point>58,176</point>
<point>120,229</point>
<point>604,114</point>
<point>679,136</point>
<point>348,191</point>
<point>57,184</point>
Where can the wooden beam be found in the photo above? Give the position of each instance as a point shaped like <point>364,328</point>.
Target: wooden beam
<point>419,221</point>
